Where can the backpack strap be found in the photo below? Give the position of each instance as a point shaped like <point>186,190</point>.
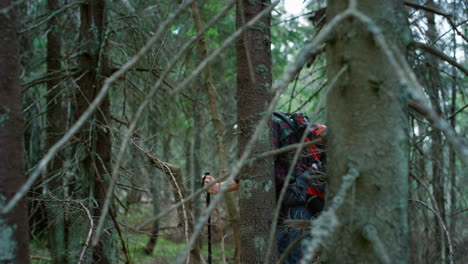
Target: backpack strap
<point>285,118</point>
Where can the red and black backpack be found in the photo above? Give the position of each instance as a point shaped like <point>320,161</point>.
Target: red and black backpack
<point>306,187</point>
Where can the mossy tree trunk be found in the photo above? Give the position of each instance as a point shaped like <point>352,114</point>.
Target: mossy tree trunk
<point>257,197</point>
<point>368,130</point>
<point>14,243</point>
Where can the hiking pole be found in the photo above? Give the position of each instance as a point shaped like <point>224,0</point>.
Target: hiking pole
<point>209,217</point>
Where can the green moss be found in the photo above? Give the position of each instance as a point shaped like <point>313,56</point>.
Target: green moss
<point>7,242</point>
<point>5,116</point>
<point>259,243</point>
<point>268,186</point>
<point>248,187</point>
<point>266,86</point>
<point>260,26</point>
<point>262,69</point>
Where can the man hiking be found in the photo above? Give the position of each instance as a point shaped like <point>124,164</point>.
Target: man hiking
<point>304,195</point>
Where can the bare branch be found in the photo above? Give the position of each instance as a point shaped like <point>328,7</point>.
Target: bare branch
<point>437,12</point>
<point>90,234</point>
<point>87,114</point>
<point>415,90</point>
<point>52,15</point>
<point>442,226</point>
<point>327,223</point>
<point>441,55</point>
<point>285,149</point>
<point>145,103</point>
<point>370,233</point>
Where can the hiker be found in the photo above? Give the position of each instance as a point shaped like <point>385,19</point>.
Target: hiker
<point>304,197</point>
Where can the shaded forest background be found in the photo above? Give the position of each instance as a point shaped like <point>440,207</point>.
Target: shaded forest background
<point>111,192</point>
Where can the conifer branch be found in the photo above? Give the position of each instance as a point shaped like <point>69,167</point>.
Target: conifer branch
<point>434,51</point>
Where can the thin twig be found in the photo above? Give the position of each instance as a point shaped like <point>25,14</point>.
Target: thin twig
<point>442,226</point>
<point>292,245</point>
<point>285,149</point>
<point>459,212</point>
<point>414,88</point>
<point>140,109</point>
<point>52,15</point>
<point>370,233</point>
<point>327,222</point>
<point>438,12</point>
<point>92,107</point>
<point>114,220</point>
<point>184,210</point>
<point>290,173</point>
<point>441,55</point>
<point>90,234</point>
<point>223,45</point>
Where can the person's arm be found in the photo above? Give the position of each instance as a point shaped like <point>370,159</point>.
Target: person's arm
<point>216,188</point>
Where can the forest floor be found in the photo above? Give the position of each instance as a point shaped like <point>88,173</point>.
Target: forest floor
<point>170,242</point>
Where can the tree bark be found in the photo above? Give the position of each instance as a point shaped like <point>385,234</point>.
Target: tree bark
<point>95,135</point>
<point>256,199</point>
<point>368,131</point>
<point>14,241</point>
<point>434,83</point>
<point>56,118</point>
<point>155,189</point>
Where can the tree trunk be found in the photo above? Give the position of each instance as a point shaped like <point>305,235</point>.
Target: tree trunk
<point>56,119</point>
<point>155,189</point>
<point>434,83</point>
<point>219,133</point>
<point>368,131</point>
<point>95,135</point>
<point>257,200</point>
<point>14,242</point>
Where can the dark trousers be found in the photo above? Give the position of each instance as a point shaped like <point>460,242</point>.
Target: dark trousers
<point>286,235</point>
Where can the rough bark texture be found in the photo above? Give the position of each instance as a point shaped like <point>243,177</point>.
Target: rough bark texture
<point>257,197</point>
<point>367,119</point>
<point>14,244</point>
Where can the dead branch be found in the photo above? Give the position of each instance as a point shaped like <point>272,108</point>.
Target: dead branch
<point>288,148</point>
<point>175,174</point>
<point>151,93</point>
<point>90,233</point>
<point>434,51</point>
<point>437,12</point>
<point>417,99</point>
<point>442,226</point>
<point>327,222</point>
<point>42,164</point>
<point>369,232</point>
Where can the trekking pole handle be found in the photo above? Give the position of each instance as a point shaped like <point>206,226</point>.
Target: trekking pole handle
<point>209,219</point>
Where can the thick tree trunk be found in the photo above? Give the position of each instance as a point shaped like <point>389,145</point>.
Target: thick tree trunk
<point>368,130</point>
<point>14,242</point>
<point>257,199</point>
